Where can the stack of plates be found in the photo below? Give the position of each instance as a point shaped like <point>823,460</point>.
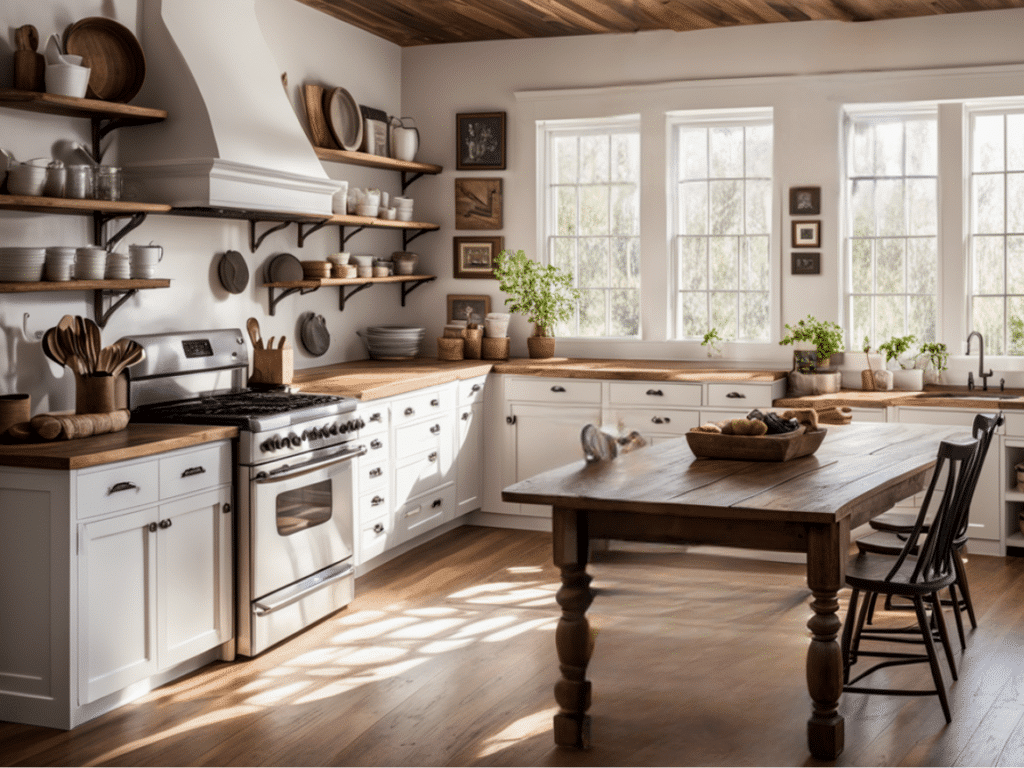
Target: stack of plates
<point>392,342</point>
<point>22,265</point>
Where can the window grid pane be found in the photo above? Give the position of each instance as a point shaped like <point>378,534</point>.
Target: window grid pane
<point>593,225</point>
<point>723,229</point>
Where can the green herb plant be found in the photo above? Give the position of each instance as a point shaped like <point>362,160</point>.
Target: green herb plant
<point>827,337</point>
<point>936,354</point>
<point>713,342</point>
<point>1016,335</point>
<point>897,347</point>
<point>544,294</point>
<point>866,345</point>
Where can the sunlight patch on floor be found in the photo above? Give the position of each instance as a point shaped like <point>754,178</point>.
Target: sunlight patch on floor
<point>373,630</point>
<point>533,625</point>
<point>523,728</point>
<point>277,695</point>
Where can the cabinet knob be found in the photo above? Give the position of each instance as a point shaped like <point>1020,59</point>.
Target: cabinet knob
<point>436,429</point>
<point>435,402</point>
<point>510,419</point>
<point>465,416</point>
<point>376,444</point>
<point>378,528</point>
<point>376,501</point>
<point>152,527</point>
<point>432,457</point>
<point>437,503</point>
<point>375,417</point>
<point>409,411</point>
<point>226,509</point>
<point>475,388</point>
<point>737,395</point>
<point>165,523</point>
<point>376,472</point>
<point>661,420</point>
<point>655,392</point>
<point>558,388</point>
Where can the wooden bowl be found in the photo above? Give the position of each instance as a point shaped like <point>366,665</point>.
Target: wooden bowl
<point>113,54</point>
<point>791,445</point>
<point>316,269</point>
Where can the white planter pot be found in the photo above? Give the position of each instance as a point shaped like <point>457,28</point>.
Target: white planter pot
<point>803,384</point>
<point>911,379</point>
<point>883,380</point>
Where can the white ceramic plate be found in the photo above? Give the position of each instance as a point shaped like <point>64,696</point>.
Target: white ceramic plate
<point>343,118</point>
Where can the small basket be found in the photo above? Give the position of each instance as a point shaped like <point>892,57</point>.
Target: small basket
<point>450,349</point>
<point>313,270</point>
<point>867,380</point>
<point>495,348</point>
<point>345,271</point>
<point>474,339</point>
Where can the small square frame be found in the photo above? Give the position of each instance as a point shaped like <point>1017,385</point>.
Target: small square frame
<point>806,234</point>
<point>474,256</point>
<point>480,141</point>
<point>458,302</point>
<point>478,203</point>
<point>804,263</point>
<point>805,201</point>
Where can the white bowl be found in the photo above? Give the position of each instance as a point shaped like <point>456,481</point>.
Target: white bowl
<point>362,259</point>
<point>66,80</point>
<point>27,180</point>
<point>367,210</point>
<point>404,215</point>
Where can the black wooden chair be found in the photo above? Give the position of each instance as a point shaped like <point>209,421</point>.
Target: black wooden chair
<point>894,528</point>
<point>916,577</point>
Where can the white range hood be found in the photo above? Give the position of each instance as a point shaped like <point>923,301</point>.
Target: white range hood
<point>232,139</point>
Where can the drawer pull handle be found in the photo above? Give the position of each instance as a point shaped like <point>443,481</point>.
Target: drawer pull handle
<point>437,503</point>
<point>655,392</point>
<point>378,528</point>
<point>409,411</point>
<point>661,420</point>
<point>475,388</point>
<point>510,420</point>
<point>165,523</point>
<point>376,501</point>
<point>152,527</point>
<point>191,471</point>
<point>465,416</point>
<point>738,395</point>
<point>376,472</point>
<point>376,444</point>
<point>558,388</point>
<point>436,429</point>
<point>435,402</point>
<point>432,457</point>
<point>376,417</point>
<point>226,509</point>
<point>118,487</point>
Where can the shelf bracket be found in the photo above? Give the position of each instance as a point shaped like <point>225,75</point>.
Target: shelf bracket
<point>254,241</point>
<point>408,288</point>
<point>343,238</point>
<point>346,296</point>
<point>407,180</point>
<point>408,235</point>
<point>102,126</point>
<point>99,220</point>
<point>275,300</point>
<point>102,316</point>
<point>313,227</point>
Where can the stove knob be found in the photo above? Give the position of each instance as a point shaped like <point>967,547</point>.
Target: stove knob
<point>276,443</point>
<point>266,445</point>
<point>360,423</point>
<point>344,427</point>
<point>316,433</point>
<point>307,434</point>
<point>295,440</point>
<point>334,429</point>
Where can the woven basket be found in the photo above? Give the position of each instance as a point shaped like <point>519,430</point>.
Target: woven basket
<point>495,348</point>
<point>450,349</point>
<point>316,269</point>
<point>867,380</point>
<point>474,339</point>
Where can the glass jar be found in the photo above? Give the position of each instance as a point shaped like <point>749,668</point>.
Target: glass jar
<point>78,182</point>
<point>108,183</point>
<point>56,179</point>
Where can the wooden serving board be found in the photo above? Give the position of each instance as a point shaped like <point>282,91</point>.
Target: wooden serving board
<point>791,445</point>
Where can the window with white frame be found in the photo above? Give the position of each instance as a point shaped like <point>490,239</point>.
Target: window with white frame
<point>591,221</point>
<point>996,184</point>
<point>891,244</point>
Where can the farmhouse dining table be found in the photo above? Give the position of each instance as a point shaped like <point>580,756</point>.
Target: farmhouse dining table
<point>663,493</point>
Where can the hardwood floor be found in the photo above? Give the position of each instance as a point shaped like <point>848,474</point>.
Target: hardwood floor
<point>446,657</point>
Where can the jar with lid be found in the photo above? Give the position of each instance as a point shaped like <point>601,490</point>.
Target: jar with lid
<point>56,178</point>
<point>108,183</point>
<point>78,183</point>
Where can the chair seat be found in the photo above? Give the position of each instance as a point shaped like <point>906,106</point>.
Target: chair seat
<point>881,543</point>
<point>869,574</point>
<point>896,522</point>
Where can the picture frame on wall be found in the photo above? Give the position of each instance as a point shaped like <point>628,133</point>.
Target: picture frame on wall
<point>474,256</point>
<point>806,264</point>
<point>473,308</point>
<point>804,201</point>
<point>480,141</point>
<point>478,203</point>
<point>806,234</point>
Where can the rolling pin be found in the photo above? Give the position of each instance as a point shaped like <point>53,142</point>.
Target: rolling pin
<point>71,427</point>
<point>29,66</point>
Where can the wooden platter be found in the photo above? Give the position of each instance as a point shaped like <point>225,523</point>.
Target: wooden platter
<point>114,55</point>
<point>791,445</point>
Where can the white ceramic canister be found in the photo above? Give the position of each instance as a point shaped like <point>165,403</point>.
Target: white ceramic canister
<point>405,139</point>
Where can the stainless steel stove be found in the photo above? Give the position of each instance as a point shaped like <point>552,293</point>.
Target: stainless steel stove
<point>293,476</point>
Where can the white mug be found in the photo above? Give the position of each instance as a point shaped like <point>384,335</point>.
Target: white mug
<point>146,255</point>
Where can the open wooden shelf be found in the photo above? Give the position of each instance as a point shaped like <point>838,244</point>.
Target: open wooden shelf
<point>375,161</point>
<point>84,285</point>
<point>349,220</point>
<point>70,205</point>
<point>409,284</point>
<point>69,106</point>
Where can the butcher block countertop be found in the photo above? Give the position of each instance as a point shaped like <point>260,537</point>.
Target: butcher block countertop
<point>136,441</point>
<point>373,379</point>
<point>933,396</point>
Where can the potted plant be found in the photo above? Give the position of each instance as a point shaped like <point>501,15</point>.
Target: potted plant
<point>895,349</point>
<point>543,293</point>
<point>934,354</point>
<point>713,342</point>
<point>826,338</point>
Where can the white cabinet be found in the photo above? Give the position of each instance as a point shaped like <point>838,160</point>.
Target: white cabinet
<point>116,579</point>
<point>469,447</point>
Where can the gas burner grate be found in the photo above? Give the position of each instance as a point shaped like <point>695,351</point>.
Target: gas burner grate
<point>239,407</point>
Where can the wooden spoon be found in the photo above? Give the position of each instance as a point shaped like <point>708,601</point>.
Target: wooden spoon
<point>134,354</point>
<point>94,339</point>
<point>51,347</point>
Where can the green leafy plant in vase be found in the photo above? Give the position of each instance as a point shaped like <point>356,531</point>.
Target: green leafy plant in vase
<point>713,342</point>
<point>826,336</point>
<point>935,355</point>
<point>544,294</point>
<point>896,349</point>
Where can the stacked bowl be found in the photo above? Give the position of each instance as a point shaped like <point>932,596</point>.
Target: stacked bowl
<point>403,208</point>
<point>392,342</point>
<point>22,265</point>
<point>90,263</point>
<point>60,263</point>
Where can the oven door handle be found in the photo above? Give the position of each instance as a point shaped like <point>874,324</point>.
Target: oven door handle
<point>346,456</point>
<point>298,591</point>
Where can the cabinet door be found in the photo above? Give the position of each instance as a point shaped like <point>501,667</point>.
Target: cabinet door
<point>194,575</point>
<point>548,437</point>
<point>117,603</point>
<point>469,452</point>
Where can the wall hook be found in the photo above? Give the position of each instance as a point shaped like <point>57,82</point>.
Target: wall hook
<point>30,338</point>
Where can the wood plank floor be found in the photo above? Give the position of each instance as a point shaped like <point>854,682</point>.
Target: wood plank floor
<point>446,657</point>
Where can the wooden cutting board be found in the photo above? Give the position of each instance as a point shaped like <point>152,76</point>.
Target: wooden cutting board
<point>313,96</point>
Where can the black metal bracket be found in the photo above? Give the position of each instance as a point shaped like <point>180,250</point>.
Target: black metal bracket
<point>254,241</point>
<point>343,238</point>
<point>408,235</point>
<point>102,316</point>
<point>305,232</point>
<point>101,126</point>
<point>407,180</point>
<point>276,299</point>
<point>100,219</point>
<point>408,288</point>
<point>346,296</point>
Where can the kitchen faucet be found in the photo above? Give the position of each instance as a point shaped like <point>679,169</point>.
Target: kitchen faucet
<point>981,362</point>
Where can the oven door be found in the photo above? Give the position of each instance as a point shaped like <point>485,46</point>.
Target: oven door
<point>301,517</point>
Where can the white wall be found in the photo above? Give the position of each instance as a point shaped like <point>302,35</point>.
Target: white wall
<point>805,71</point>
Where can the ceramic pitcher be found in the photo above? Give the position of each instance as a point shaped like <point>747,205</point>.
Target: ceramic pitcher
<point>405,138</point>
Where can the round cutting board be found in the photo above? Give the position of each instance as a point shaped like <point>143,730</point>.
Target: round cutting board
<point>315,336</point>
<point>113,54</point>
<point>343,118</point>
<point>234,274</point>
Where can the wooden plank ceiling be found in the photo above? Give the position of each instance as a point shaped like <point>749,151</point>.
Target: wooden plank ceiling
<point>426,22</point>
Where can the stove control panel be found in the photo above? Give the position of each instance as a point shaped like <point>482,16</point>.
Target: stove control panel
<point>315,436</point>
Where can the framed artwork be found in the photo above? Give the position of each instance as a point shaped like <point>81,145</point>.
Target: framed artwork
<point>471,308</point>
<point>478,204</point>
<point>804,201</point>
<point>474,256</point>
<point>480,139</point>
<point>806,264</point>
<point>806,234</point>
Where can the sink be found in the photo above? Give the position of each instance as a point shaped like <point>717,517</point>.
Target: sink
<point>970,395</point>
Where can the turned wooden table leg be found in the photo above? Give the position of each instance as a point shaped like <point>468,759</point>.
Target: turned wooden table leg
<point>572,637</point>
<point>826,566</point>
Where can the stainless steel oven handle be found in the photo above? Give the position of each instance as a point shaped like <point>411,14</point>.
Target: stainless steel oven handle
<point>313,584</point>
<point>346,456</point>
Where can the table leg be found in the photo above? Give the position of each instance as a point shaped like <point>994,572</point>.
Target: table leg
<point>826,566</point>
<point>572,636</point>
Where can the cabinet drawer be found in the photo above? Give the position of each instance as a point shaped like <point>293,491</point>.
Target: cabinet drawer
<point>116,488</point>
<point>749,396</point>
<point>471,391</point>
<point>373,539</point>
<point>423,405</point>
<point>372,475</point>
<point>653,393</point>
<point>425,512</point>
<point>375,419</point>
<point>373,505</point>
<point>660,420</point>
<point>419,474</point>
<point>940,416</point>
<point>1014,424</point>
<point>376,448</point>
<point>538,390</point>
<point>195,470</point>
<point>423,436</point>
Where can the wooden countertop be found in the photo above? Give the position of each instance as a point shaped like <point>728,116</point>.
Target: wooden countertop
<point>373,379</point>
<point>136,441</point>
<point>933,396</point>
